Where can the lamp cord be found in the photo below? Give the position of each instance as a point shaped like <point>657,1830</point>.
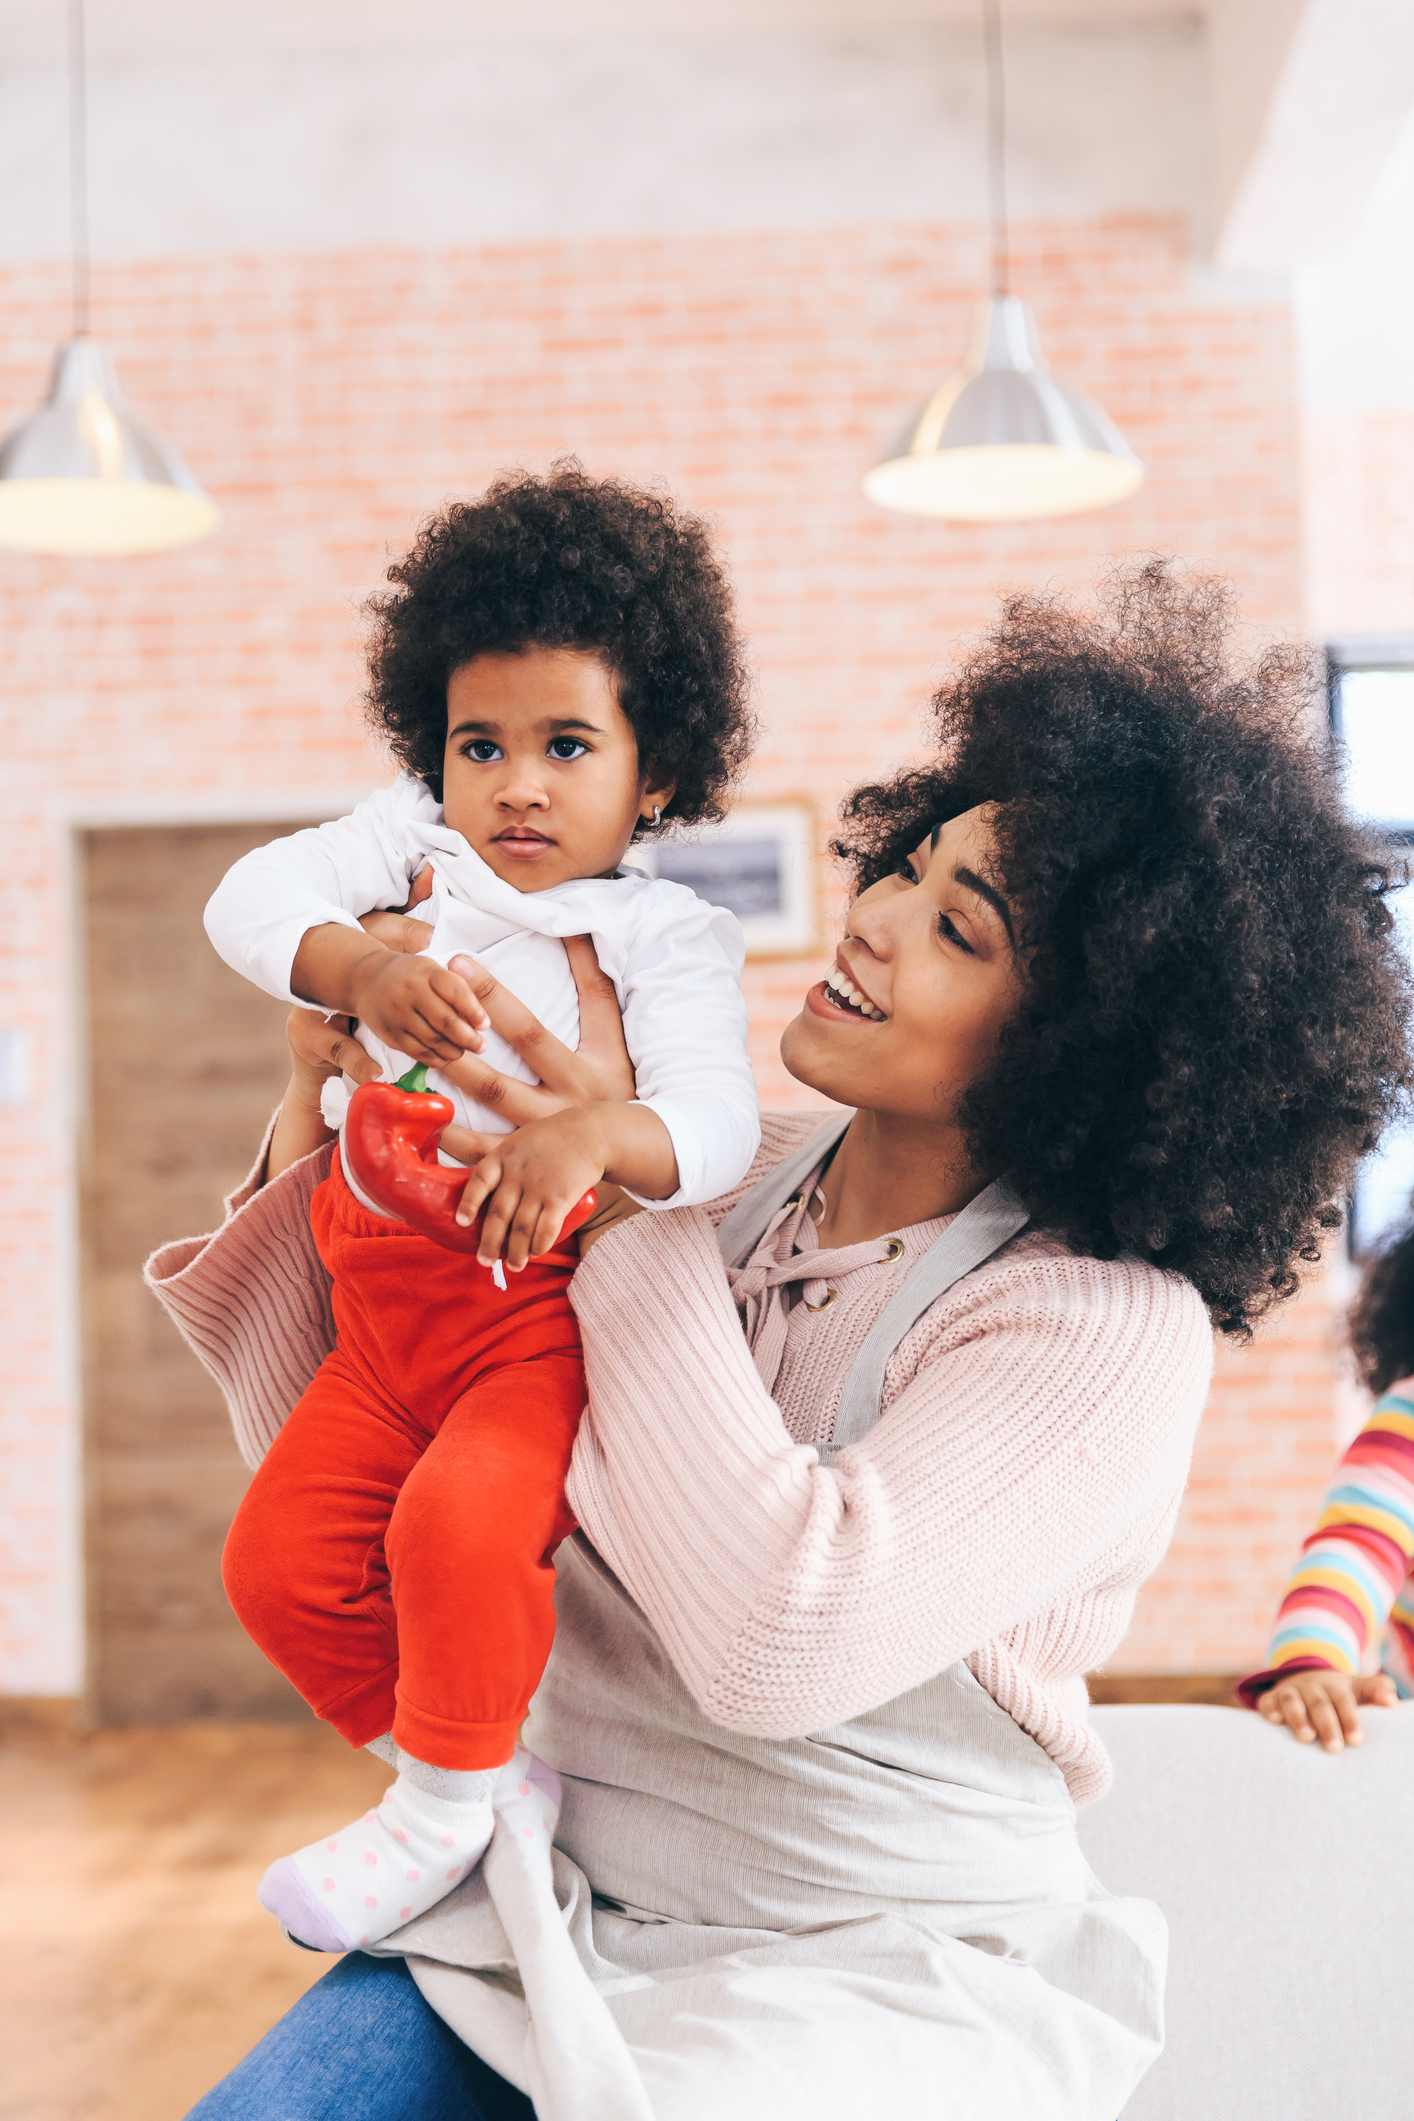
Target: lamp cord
<point>996,141</point>
<point>78,166</point>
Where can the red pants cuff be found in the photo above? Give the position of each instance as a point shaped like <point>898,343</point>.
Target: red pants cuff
<point>366,1711</point>
<point>442,1743</point>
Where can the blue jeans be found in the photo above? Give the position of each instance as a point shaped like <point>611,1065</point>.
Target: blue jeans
<point>362,2045</point>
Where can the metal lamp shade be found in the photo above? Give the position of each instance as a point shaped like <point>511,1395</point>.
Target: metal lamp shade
<point>1003,441</point>
<point>83,475</point>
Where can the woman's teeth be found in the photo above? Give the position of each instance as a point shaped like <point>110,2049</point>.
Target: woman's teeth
<point>840,987</point>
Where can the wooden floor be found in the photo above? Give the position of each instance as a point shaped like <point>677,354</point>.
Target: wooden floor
<point>135,1964</point>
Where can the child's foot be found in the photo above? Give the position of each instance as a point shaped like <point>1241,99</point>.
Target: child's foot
<point>359,1885</point>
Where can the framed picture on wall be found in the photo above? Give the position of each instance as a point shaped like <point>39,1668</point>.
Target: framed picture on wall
<point>761,864</point>
<point>1372,717</point>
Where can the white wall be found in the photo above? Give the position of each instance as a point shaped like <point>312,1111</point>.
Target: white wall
<point>511,141</point>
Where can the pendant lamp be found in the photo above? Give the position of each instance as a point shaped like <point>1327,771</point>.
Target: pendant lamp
<point>1004,440</point>
<point>83,474</point>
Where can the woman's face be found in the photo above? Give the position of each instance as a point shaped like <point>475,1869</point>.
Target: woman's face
<point>930,955</point>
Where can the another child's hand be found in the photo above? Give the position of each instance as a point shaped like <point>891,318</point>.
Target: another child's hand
<point>417,1006</point>
<point>530,1180</point>
<point>1326,1705</point>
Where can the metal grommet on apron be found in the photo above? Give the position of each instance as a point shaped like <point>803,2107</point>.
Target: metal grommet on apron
<point>982,1228</point>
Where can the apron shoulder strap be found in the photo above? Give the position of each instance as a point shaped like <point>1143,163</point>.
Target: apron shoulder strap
<point>983,1227</point>
<point>741,1231</point>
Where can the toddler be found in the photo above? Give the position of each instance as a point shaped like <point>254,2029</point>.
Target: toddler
<point>1352,1592</point>
<point>558,672</point>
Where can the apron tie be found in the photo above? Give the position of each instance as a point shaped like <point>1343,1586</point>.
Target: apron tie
<point>789,1253</point>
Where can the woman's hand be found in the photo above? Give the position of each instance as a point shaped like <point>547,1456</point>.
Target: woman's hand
<point>323,1046</point>
<point>528,1181</point>
<point>1326,1705</point>
<point>600,1072</point>
<point>320,1047</point>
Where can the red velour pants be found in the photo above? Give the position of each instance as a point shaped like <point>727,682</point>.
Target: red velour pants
<point>393,1556</point>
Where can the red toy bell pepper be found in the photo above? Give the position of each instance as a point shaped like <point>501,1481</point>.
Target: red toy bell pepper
<point>390,1147</point>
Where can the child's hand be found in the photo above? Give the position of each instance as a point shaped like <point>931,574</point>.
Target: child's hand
<point>531,1179</point>
<point>418,1007</point>
<point>1324,1705</point>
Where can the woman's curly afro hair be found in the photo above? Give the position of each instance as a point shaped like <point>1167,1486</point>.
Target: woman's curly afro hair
<point>1213,1026</point>
<point>570,562</point>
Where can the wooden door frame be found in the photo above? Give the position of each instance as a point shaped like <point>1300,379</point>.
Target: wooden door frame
<point>76,1312</point>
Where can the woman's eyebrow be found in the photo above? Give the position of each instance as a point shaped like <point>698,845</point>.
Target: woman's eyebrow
<point>973,882</point>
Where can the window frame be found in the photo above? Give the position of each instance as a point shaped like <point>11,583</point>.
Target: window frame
<point>1347,659</point>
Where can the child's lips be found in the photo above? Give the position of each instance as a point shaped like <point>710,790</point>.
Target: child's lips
<point>521,844</point>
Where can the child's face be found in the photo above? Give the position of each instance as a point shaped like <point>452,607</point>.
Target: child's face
<point>541,774</point>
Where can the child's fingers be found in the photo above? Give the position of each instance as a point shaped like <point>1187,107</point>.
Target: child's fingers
<point>548,1228</point>
<point>1345,1707</point>
<point>1285,1705</point>
<point>1379,1689</point>
<point>419,1046</point>
<point>460,997</point>
<point>439,1011</point>
<point>1322,1712</point>
<point>442,1044</point>
<point>484,1181</point>
<point>520,1241</point>
<point>535,1228</point>
<point>497,1221</point>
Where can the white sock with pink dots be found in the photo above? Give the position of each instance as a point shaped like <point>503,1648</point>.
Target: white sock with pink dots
<point>359,1885</point>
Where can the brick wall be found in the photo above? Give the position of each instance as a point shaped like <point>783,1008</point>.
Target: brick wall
<point>326,400</point>
<point>1359,494</point>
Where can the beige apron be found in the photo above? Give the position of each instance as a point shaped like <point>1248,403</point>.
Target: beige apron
<point>883,1921</point>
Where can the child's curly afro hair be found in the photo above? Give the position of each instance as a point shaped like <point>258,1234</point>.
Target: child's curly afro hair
<point>1214,1022</point>
<point>570,562</point>
<point>1382,1317</point>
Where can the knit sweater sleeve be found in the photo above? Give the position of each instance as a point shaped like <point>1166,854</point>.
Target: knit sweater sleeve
<point>1029,1439</point>
<point>252,1299</point>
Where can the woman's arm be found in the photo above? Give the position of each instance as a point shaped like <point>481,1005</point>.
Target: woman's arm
<point>1347,1585</point>
<point>1038,1451</point>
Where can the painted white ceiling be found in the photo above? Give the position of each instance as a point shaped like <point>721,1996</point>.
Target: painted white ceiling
<point>33,31</point>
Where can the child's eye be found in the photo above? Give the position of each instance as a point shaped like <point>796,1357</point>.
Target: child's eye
<point>566,747</point>
<point>482,748</point>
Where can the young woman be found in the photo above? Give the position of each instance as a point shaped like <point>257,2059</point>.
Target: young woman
<point>880,1446</point>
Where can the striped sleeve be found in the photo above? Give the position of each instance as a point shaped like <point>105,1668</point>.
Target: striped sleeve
<point>1353,1580</point>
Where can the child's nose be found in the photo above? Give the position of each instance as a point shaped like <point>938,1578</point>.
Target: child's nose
<point>524,791</point>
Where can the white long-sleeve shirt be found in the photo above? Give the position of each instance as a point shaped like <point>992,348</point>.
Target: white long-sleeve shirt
<point>674,960</point>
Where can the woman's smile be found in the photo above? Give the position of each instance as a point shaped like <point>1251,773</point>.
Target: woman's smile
<point>836,996</point>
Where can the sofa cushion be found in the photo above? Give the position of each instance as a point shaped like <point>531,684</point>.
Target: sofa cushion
<point>1287,1876</point>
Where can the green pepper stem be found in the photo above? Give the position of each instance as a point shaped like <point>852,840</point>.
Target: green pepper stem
<point>415,1079</point>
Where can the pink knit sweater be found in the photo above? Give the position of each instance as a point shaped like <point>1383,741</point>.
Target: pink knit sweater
<point>1022,1481</point>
